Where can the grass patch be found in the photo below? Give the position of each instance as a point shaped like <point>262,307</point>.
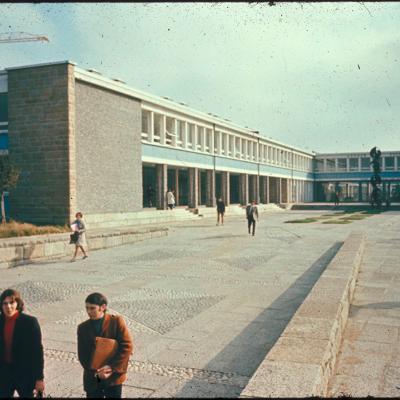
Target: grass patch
<point>301,221</point>
<point>337,221</point>
<point>355,217</point>
<point>13,229</point>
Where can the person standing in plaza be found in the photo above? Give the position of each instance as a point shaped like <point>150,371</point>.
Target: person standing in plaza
<point>170,199</point>
<point>251,213</point>
<point>21,349</point>
<point>106,381</point>
<point>220,211</point>
<point>80,228</point>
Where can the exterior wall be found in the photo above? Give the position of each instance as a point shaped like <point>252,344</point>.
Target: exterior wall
<point>108,151</point>
<point>40,116</point>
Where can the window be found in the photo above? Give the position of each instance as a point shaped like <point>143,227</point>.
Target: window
<point>3,141</point>
<point>237,147</point>
<point>319,165</point>
<point>145,121</point>
<point>342,163</point>
<point>353,164</point>
<point>208,140</point>
<point>231,145</point>
<point>170,131</point>
<point>190,135</point>
<point>365,163</point>
<point>3,107</point>
<point>389,163</point>
<point>398,163</point>
<point>181,130</point>
<point>200,139</point>
<point>216,134</point>
<point>157,126</point>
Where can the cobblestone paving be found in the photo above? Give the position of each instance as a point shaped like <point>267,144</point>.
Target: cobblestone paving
<point>204,304</point>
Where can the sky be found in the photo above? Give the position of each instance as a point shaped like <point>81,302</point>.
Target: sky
<point>323,77</point>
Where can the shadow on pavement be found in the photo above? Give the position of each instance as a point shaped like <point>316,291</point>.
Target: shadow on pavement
<point>246,351</point>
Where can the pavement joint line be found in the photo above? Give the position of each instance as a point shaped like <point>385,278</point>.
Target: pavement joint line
<point>171,371</point>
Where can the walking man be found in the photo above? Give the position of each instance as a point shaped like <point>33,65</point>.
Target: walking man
<point>251,212</point>
<point>170,199</point>
<point>106,381</point>
<point>220,211</point>
<point>21,349</point>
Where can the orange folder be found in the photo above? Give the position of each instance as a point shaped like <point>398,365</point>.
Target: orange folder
<point>105,350</point>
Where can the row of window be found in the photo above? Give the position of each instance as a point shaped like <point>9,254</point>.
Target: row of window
<point>170,131</point>
<point>388,163</point>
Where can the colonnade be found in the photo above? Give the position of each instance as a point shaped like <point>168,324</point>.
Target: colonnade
<point>231,187</point>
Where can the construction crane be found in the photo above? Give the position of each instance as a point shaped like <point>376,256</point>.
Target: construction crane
<point>15,37</point>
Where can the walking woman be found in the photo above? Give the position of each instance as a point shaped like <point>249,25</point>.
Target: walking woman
<point>81,237</point>
<point>21,349</point>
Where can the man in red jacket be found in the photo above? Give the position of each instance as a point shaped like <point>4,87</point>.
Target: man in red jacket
<point>105,382</point>
<point>21,349</point>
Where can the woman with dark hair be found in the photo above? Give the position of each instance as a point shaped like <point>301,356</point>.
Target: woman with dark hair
<point>21,349</point>
<point>80,229</point>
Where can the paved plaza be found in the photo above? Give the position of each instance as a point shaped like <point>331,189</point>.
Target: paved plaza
<point>206,303</point>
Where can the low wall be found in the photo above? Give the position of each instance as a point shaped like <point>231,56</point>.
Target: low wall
<point>22,250</point>
<point>302,361</point>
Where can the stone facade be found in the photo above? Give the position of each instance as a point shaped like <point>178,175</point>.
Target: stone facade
<point>39,130</point>
<point>58,126</point>
<point>108,151</point>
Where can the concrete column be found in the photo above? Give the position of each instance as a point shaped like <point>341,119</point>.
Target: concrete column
<point>226,187</point>
<point>243,188</point>
<point>359,164</point>
<point>210,185</point>
<point>161,186</point>
<point>257,188</point>
<point>279,190</point>
<point>268,197</point>
<point>193,187</point>
<point>177,187</point>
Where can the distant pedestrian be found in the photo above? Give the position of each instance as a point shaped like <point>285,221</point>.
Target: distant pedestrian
<point>150,195</point>
<point>336,198</point>
<point>79,228</point>
<point>220,211</point>
<point>105,381</point>
<point>21,349</point>
<point>251,214</point>
<point>170,199</point>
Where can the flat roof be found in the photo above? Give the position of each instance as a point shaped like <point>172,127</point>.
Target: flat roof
<point>95,77</point>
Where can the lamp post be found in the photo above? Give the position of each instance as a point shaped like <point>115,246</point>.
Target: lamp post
<point>258,166</point>
<point>291,192</point>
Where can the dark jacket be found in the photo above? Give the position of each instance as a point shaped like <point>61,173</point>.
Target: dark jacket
<point>114,327</point>
<point>27,350</point>
<point>220,206</point>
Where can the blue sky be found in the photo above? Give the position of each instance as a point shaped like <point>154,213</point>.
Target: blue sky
<point>320,76</point>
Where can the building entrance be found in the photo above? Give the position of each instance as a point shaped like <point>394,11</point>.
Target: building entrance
<point>149,185</point>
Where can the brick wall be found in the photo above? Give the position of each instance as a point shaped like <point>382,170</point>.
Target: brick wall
<point>108,151</point>
<point>39,130</point>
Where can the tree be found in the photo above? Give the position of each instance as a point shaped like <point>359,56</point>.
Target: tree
<point>9,175</point>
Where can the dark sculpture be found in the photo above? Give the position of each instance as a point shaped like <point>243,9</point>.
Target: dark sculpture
<point>376,197</point>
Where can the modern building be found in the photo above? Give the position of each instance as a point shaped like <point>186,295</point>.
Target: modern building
<point>87,142</point>
<point>349,174</point>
